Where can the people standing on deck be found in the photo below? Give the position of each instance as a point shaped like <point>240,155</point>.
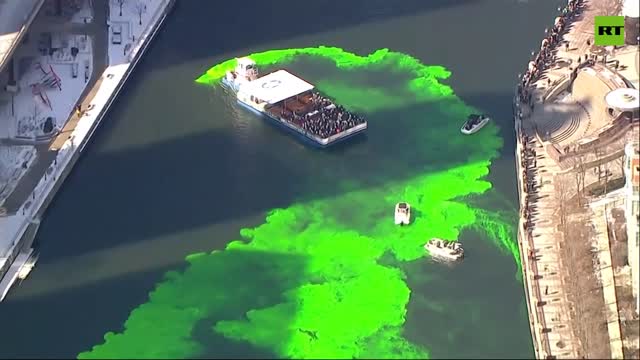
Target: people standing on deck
<point>325,119</point>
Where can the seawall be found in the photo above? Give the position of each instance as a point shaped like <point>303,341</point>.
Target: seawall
<point>541,324</point>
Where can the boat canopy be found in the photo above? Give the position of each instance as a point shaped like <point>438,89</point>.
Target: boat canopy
<point>275,87</point>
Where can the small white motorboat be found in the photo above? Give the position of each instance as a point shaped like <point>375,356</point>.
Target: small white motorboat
<point>474,123</point>
<point>403,213</point>
<point>446,250</point>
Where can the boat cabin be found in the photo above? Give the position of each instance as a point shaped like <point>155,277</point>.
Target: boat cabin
<point>246,69</point>
<point>279,92</point>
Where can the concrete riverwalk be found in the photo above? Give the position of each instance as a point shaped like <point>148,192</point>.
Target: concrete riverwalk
<point>113,62</point>
<point>47,153</point>
<point>571,302</point>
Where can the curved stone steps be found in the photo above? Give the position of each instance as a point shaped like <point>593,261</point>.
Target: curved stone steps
<point>587,110</point>
<point>567,131</point>
<point>550,125</point>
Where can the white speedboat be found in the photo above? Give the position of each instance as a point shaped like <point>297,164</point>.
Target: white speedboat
<point>403,213</point>
<point>446,250</point>
<point>474,123</point>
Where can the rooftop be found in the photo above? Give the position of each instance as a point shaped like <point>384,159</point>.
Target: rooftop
<point>623,99</point>
<point>630,8</point>
<point>277,86</point>
<point>15,17</point>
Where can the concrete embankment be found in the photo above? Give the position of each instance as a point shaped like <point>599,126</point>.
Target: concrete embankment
<point>551,335</point>
<point>98,101</point>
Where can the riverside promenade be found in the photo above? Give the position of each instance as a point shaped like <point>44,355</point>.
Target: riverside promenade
<point>126,33</point>
<point>570,314</point>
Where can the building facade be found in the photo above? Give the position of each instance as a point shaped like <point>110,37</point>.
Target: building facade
<point>631,15</point>
<point>632,212</point>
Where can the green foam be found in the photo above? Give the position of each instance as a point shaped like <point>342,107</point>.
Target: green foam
<point>424,83</point>
<point>332,296</point>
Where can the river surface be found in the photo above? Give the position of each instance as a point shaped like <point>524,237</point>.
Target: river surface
<point>176,168</point>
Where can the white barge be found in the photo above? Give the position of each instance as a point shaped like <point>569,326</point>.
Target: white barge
<point>293,104</point>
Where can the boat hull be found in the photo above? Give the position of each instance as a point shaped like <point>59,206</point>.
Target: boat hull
<point>445,253</point>
<point>402,219</point>
<point>439,256</point>
<point>475,129</point>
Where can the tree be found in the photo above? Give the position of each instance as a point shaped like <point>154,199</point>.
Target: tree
<point>562,193</point>
<point>579,173</point>
<point>620,161</point>
<point>606,174</point>
<point>597,152</point>
<point>141,8</point>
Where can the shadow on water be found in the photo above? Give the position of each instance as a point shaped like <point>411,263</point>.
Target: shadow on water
<point>499,107</point>
<point>209,28</point>
<point>245,280</point>
<point>220,286</point>
<point>218,187</point>
<point>78,323</point>
<point>445,303</point>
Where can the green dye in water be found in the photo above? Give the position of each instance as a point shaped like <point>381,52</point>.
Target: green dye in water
<point>327,266</point>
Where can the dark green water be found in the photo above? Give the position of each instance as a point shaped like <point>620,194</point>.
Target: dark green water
<point>177,168</point>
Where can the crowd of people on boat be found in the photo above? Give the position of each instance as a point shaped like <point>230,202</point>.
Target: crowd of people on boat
<point>545,56</point>
<point>325,119</point>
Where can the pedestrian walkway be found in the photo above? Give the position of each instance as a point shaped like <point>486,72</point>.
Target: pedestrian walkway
<point>546,265</point>
<point>47,154</point>
<point>558,331</point>
<point>629,61</point>
<point>605,270</point>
